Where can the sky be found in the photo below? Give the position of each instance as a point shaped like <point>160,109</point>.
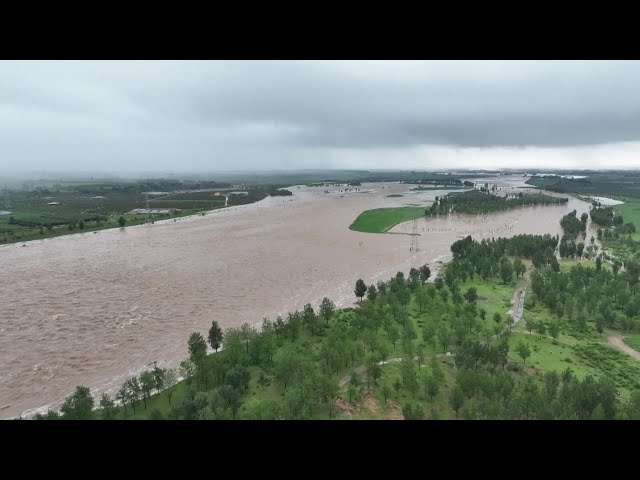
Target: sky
<point>213,116</point>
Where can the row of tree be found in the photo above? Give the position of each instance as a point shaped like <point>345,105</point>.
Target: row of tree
<point>480,202</point>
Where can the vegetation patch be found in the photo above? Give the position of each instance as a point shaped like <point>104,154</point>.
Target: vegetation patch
<point>380,220</point>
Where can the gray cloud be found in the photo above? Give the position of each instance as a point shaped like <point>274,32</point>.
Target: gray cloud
<point>207,116</point>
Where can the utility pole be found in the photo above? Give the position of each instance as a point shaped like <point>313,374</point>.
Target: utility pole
<point>414,237</point>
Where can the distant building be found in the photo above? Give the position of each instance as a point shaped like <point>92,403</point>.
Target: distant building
<point>98,197</point>
<point>217,194</point>
<point>54,203</point>
<point>240,193</point>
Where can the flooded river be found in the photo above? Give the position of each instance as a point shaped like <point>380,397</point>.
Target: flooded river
<point>92,309</point>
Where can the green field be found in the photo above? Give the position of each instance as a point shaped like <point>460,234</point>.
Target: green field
<point>381,220</point>
<point>633,341</point>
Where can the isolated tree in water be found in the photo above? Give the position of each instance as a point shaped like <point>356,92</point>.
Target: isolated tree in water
<point>78,406</point>
<point>215,336</point>
<point>122,221</point>
<point>361,289</point>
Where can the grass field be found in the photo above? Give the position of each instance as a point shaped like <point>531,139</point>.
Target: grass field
<point>633,341</point>
<point>380,220</point>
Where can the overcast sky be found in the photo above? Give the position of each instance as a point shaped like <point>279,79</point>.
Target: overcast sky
<point>207,116</point>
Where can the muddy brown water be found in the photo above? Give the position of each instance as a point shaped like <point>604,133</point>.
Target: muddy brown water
<point>92,309</point>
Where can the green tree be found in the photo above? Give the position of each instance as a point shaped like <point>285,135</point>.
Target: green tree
<point>456,399</point>
<point>554,330</point>
<point>197,347</point>
<point>122,221</point>
<point>107,405</point>
<point>361,289</point>
<point>471,295</point>
<point>541,327</point>
<point>327,309</point>
<point>524,351</point>
<point>79,405</point>
<point>133,392</point>
<point>412,411</point>
<point>386,390</point>
<point>170,379</point>
<point>123,396</point>
<point>425,273</point>
<point>530,324</point>
<point>158,377</point>
<point>506,271</point>
<point>372,293</point>
<point>215,336</point>
<point>147,383</point>
<point>518,267</point>
<point>230,398</point>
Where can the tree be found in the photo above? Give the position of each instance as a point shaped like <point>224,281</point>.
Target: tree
<point>471,295</point>
<point>524,351</point>
<point>215,336</point>
<point>497,318</point>
<point>506,271</point>
<point>79,405</point>
<point>238,377</point>
<point>230,398</point>
<point>123,396</point>
<point>107,405</point>
<point>158,377</point>
<point>122,221</point>
<point>361,289</point>
<point>372,293</point>
<point>147,383</point>
<point>374,371</point>
<point>412,411</point>
<point>530,324</point>
<point>170,379</point>
<point>133,392</point>
<point>554,330</point>
<point>583,218</point>
<point>456,399</point>
<point>541,327</point>
<point>518,267</point>
<point>309,318</point>
<point>483,313</point>
<point>187,369</point>
<point>386,390</point>
<point>425,273</point>
<point>197,348</point>
<point>327,308</point>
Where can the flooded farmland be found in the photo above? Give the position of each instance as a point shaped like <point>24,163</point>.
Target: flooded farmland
<point>94,308</point>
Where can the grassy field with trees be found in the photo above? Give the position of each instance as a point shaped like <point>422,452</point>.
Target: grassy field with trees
<point>415,349</point>
<point>71,207</point>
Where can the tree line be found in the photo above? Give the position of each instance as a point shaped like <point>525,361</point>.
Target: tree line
<point>480,202</point>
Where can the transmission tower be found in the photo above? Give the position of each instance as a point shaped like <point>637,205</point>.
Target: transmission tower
<point>414,237</point>
<point>147,219</point>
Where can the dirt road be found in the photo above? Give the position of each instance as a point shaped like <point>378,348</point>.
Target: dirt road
<point>616,341</point>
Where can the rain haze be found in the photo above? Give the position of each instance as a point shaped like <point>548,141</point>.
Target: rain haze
<point>215,116</point>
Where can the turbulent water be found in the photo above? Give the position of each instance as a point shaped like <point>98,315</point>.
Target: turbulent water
<point>93,308</point>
